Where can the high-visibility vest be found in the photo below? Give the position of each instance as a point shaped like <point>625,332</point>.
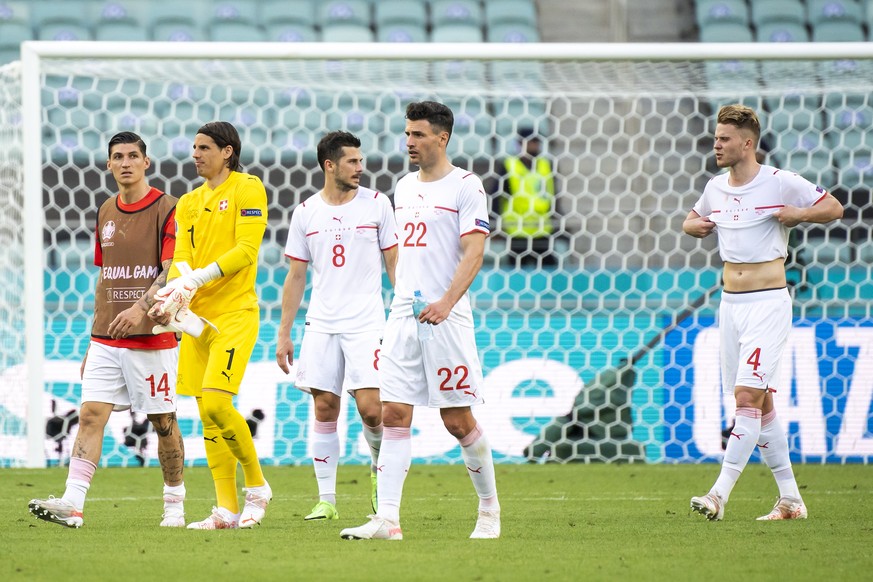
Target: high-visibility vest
<point>529,208</point>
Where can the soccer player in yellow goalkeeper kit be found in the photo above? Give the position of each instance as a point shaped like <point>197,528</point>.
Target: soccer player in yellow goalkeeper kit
<point>219,226</point>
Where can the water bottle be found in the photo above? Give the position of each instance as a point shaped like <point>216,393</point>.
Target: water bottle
<point>425,330</point>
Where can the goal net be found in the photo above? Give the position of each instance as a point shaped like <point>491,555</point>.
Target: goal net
<point>628,131</point>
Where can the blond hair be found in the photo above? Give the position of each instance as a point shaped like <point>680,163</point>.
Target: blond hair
<point>741,117</point>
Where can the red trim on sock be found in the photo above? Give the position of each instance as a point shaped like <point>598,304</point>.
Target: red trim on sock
<point>396,433</point>
<point>325,427</point>
<point>749,412</point>
<point>472,437</point>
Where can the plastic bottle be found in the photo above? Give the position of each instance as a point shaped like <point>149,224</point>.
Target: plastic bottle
<point>425,330</point>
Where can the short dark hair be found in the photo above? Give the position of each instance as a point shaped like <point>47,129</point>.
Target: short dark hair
<point>741,117</point>
<point>438,115</point>
<point>126,137</point>
<point>224,134</point>
<point>331,146</point>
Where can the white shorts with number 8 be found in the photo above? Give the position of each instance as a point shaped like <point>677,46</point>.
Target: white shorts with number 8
<point>442,372</point>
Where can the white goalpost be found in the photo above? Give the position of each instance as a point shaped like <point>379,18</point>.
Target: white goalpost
<point>628,130</point>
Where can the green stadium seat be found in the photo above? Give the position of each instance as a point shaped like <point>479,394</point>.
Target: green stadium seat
<point>177,32</point>
<point>291,32</point>
<point>119,11</point>
<point>711,12</point>
<point>726,32</point>
<point>7,55</point>
<point>803,151</point>
<point>50,12</point>
<point>394,12</point>
<point>18,12</point>
<point>12,34</point>
<point>834,11</point>
<point>445,12</point>
<point>512,32</point>
<point>402,32</point>
<point>64,31</point>
<point>456,33</point>
<point>795,112</point>
<point>120,31</point>
<point>298,12</point>
<point>346,32</point>
<point>510,12</point>
<point>355,12</point>
<point>235,31</point>
<point>778,11</point>
<point>732,75</point>
<point>838,31</point>
<point>782,32</point>
<point>242,11</point>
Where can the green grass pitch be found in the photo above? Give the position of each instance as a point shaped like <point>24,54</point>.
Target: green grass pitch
<point>560,522</point>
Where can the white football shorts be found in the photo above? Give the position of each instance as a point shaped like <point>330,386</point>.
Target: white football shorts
<point>333,361</point>
<point>141,380</point>
<point>754,329</point>
<point>442,372</point>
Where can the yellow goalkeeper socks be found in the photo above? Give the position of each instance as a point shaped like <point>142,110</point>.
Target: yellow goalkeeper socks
<point>235,433</point>
<point>221,461</point>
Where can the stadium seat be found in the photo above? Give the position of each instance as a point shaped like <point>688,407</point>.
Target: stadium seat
<point>456,33</point>
<point>235,31</point>
<point>782,32</point>
<point>803,151</point>
<point>291,32</point>
<point>732,75</point>
<point>119,12</point>
<point>792,112</point>
<point>711,12</point>
<point>64,31</point>
<point>834,11</point>
<point>402,32</point>
<point>355,12</point>
<point>445,12</point>
<point>12,34</point>
<point>510,12</point>
<point>838,31</point>
<point>177,32</point>
<point>243,11</point>
<point>394,12</point>
<point>17,12</point>
<point>299,12</point>
<point>343,32</point>
<point>726,32</point>
<point>512,33</point>
<point>49,12</point>
<point>120,31</point>
<point>7,55</point>
<point>778,11</point>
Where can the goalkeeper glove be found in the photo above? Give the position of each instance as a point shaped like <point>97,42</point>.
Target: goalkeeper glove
<point>185,321</point>
<point>177,294</point>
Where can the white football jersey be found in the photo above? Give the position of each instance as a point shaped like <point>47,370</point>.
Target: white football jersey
<point>743,216</point>
<point>431,219</point>
<point>343,245</point>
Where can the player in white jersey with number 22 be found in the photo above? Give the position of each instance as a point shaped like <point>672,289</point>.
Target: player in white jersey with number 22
<point>429,354</point>
<point>344,231</point>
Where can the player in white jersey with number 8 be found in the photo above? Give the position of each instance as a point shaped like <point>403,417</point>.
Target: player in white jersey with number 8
<point>344,231</point>
<point>751,207</point>
<point>442,218</point>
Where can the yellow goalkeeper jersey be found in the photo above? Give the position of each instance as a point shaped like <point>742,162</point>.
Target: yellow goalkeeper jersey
<point>225,225</point>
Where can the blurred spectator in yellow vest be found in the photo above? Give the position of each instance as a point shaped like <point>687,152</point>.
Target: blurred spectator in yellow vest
<point>527,205</point>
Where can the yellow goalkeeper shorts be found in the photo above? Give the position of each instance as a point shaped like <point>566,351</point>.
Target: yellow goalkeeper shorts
<point>218,359</point>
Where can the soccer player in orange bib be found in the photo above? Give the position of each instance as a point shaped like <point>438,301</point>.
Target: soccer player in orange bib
<point>220,225</point>
<point>126,367</point>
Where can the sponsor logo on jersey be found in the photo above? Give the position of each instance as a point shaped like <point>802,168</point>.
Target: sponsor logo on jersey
<point>108,230</point>
<point>482,223</point>
<point>250,212</point>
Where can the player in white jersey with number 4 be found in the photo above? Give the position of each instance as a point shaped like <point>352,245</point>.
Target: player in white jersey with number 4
<point>344,231</point>
<point>751,208</point>
<point>429,358</point>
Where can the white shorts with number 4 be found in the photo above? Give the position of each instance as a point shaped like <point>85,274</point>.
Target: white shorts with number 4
<point>443,372</point>
<point>141,380</point>
<point>333,361</point>
<point>754,330</point>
